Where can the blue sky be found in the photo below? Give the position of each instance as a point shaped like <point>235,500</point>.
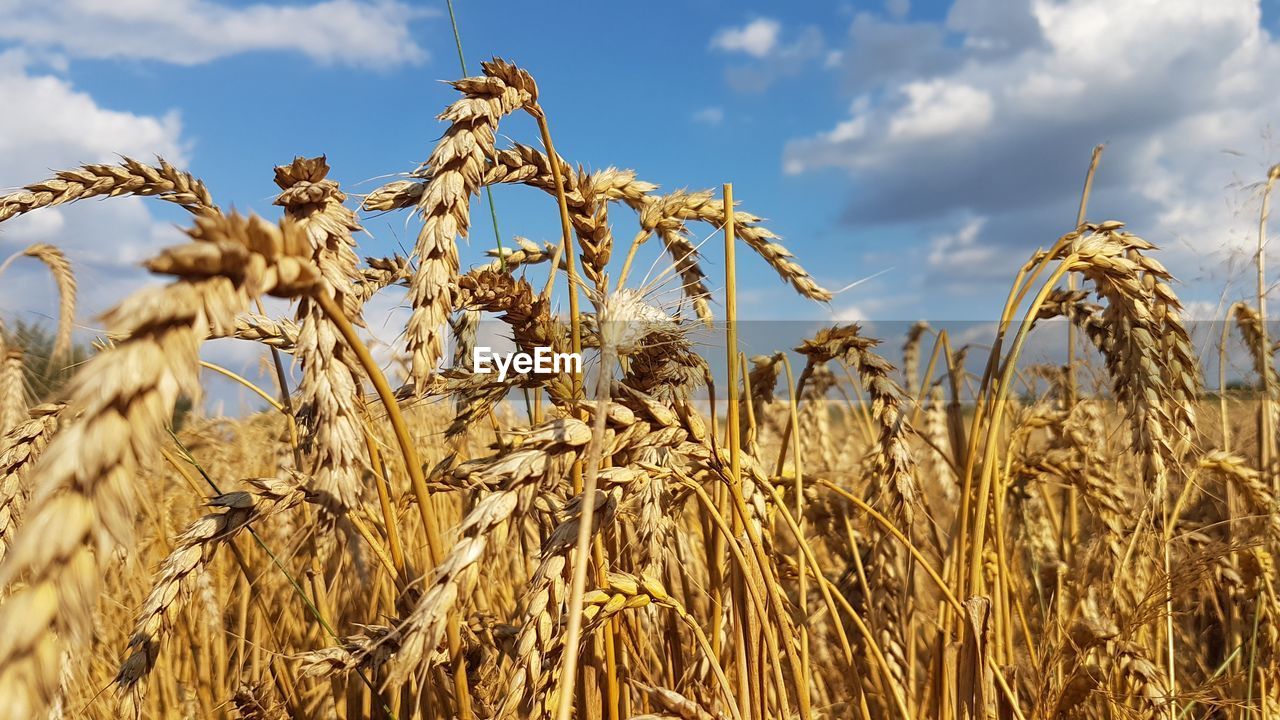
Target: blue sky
<point>938,143</point>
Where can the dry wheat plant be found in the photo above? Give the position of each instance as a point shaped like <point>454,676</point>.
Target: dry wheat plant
<point>828,537</point>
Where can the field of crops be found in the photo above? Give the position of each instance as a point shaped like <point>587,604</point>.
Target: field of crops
<point>680,531</point>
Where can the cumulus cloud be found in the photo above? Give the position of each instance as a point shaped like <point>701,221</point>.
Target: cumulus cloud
<point>50,121</point>
<point>757,38</point>
<point>186,32</point>
<point>999,124</point>
<point>937,108</point>
<point>51,124</point>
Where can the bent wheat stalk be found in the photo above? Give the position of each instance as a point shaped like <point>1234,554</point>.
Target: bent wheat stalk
<point>60,268</point>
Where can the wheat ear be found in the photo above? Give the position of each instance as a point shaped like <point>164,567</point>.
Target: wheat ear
<point>892,462</point>
<point>60,268</point>
<point>423,630</point>
<point>1250,325</point>
<point>13,390</point>
<point>279,334</point>
<point>681,207</point>
<point>125,395</point>
<point>182,569</point>
<point>329,396</point>
<point>456,168</point>
<point>19,450</point>
<point>129,177</point>
<point>1148,352</point>
<point>911,358</point>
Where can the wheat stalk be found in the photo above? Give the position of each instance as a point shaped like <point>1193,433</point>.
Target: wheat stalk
<point>540,452</point>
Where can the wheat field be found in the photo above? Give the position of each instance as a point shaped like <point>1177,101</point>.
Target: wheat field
<point>817,534</point>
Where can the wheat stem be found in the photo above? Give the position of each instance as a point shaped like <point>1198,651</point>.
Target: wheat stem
<point>413,466</point>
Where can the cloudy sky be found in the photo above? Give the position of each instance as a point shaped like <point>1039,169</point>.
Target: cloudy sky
<point>929,146</point>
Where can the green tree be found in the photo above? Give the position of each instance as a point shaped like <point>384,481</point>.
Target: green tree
<point>45,380</point>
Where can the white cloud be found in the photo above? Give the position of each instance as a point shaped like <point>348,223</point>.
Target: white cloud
<point>999,125</point>
<point>50,122</point>
<point>709,116</point>
<point>962,251</point>
<point>772,54</point>
<point>757,38</point>
<point>897,8</point>
<point>186,32</point>
<point>851,129</point>
<point>52,125</point>
<point>939,107</point>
